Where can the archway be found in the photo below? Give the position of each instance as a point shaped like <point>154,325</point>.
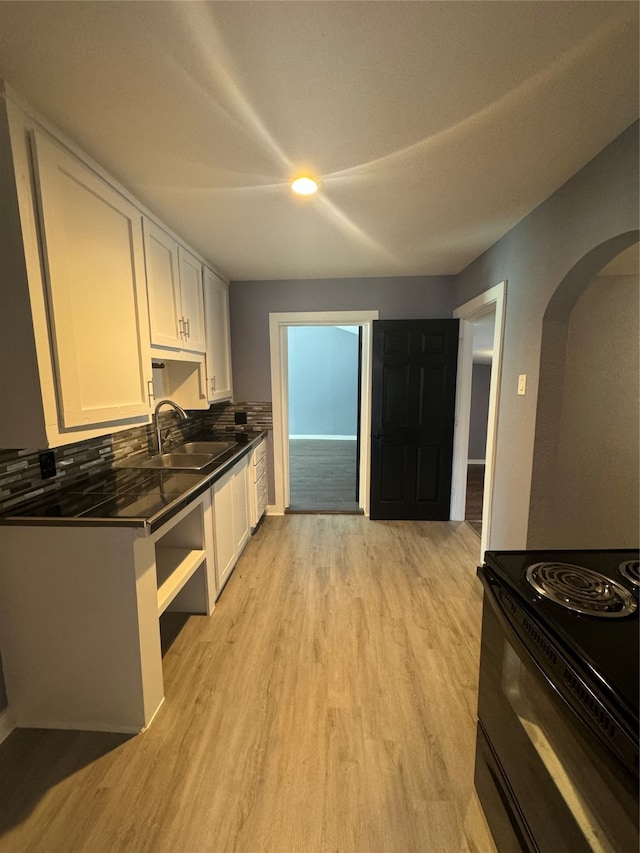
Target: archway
<point>585,469</point>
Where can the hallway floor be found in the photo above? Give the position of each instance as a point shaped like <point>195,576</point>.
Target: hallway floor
<point>328,704</point>
<point>474,498</point>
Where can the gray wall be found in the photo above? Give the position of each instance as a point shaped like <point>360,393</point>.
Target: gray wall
<point>592,501</point>
<point>323,381</point>
<point>251,302</point>
<point>479,414</point>
<point>596,205</point>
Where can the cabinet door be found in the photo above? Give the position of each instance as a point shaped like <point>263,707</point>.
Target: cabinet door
<point>163,286</point>
<point>241,505</point>
<point>94,264</point>
<point>216,306</point>
<point>224,535</point>
<point>192,301</point>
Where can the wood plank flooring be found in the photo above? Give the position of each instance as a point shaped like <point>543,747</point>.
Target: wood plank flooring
<point>322,475</point>
<point>474,497</point>
<point>327,706</point>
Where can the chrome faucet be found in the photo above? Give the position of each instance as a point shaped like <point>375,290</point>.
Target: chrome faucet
<point>156,420</point>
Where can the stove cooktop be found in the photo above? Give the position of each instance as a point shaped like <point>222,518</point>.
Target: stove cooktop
<point>607,647</point>
<point>581,589</point>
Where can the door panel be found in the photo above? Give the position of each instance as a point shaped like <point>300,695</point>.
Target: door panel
<point>163,286</point>
<point>413,404</point>
<point>192,301</point>
<point>94,262</point>
<point>428,481</point>
<point>216,307</point>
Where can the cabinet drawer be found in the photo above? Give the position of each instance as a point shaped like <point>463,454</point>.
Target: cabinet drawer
<point>260,469</point>
<point>262,496</point>
<point>260,453</point>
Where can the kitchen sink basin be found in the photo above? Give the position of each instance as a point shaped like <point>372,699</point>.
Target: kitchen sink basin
<point>212,448</point>
<point>179,461</point>
<point>192,456</point>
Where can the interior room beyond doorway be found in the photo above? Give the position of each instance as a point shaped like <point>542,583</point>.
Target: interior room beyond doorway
<point>483,333</point>
<point>323,429</point>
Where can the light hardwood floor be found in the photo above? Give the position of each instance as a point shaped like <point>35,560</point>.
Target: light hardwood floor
<point>474,497</point>
<point>327,706</point>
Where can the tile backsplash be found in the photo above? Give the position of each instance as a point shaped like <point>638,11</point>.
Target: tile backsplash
<point>20,477</point>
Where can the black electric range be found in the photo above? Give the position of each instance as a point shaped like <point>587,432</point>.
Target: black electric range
<point>557,745</point>
<point>607,648</point>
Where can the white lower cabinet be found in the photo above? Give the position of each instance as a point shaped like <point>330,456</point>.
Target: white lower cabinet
<point>79,616</point>
<point>258,483</point>
<point>80,606</point>
<point>230,519</point>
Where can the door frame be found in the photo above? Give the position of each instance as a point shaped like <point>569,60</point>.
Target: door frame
<point>494,299</point>
<point>278,325</point>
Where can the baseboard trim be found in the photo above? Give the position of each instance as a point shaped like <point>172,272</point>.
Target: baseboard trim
<point>322,438</point>
<point>476,461</point>
<point>7,724</point>
<point>272,509</point>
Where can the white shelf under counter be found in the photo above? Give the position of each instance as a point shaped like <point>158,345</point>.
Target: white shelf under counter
<point>79,616</point>
<point>177,566</point>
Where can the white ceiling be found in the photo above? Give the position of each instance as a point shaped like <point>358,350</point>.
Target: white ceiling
<point>434,126</point>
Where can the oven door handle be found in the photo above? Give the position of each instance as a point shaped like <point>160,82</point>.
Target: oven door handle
<point>626,753</point>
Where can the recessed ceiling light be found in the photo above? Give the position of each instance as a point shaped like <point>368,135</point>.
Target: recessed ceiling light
<point>304,186</point>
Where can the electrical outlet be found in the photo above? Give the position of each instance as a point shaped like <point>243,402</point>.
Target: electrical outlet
<point>240,417</point>
<point>47,464</point>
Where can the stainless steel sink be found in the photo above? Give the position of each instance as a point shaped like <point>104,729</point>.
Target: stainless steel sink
<point>192,456</point>
<point>179,461</point>
<point>213,448</point>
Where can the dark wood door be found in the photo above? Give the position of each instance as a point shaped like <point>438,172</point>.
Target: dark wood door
<point>413,407</point>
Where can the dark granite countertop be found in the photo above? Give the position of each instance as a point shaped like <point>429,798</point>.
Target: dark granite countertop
<point>133,497</point>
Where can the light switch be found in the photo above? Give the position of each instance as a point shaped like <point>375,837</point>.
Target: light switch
<point>522,384</point>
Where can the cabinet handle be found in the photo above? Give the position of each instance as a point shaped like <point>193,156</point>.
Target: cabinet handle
<point>150,393</point>
<point>181,326</point>
<point>187,324</point>
<point>213,383</point>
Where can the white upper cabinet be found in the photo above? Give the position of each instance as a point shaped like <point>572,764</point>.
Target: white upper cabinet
<point>90,288</point>
<point>94,268</point>
<point>174,288</point>
<point>192,301</point>
<point>216,305</point>
<point>163,286</point>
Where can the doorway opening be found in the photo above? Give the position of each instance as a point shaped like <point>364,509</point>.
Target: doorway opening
<point>482,357</point>
<point>491,302</point>
<point>324,413</point>
<point>279,326</point>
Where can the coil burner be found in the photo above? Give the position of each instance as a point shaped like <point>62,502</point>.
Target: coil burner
<point>631,571</point>
<point>581,590</point>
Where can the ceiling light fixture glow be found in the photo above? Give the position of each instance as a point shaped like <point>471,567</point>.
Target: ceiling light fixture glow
<point>304,186</point>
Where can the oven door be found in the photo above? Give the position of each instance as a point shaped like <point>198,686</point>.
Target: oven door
<point>545,781</point>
